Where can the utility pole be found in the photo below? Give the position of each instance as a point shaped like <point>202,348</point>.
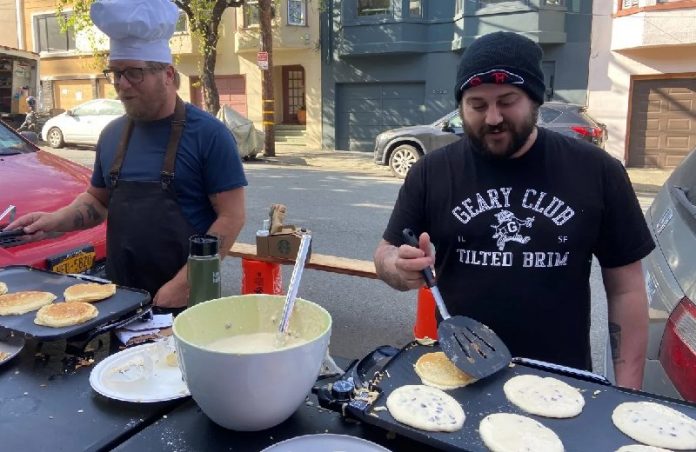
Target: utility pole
<point>267,99</point>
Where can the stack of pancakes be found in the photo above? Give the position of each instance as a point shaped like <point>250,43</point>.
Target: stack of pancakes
<point>75,310</point>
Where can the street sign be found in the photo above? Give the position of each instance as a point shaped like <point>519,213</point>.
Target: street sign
<point>262,60</point>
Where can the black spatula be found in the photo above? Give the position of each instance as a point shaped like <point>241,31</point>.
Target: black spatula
<point>470,345</point>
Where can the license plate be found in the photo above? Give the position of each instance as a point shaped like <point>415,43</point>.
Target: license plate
<point>77,261</point>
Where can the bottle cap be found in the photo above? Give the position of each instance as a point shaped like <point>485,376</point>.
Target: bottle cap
<point>203,245</point>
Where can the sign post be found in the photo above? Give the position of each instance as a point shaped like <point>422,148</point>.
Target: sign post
<point>262,60</point>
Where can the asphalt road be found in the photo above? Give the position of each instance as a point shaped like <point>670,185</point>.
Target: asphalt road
<point>347,212</point>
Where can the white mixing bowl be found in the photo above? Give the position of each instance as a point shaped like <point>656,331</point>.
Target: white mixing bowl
<point>252,391</point>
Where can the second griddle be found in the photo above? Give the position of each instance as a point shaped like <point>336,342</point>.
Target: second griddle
<point>21,278</point>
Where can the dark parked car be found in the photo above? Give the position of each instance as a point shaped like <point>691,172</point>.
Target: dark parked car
<point>400,148</point>
<point>670,279</point>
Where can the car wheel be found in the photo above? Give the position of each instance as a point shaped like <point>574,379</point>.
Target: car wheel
<point>55,138</point>
<point>402,158</point>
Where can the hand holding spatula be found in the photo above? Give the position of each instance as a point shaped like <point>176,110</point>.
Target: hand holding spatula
<point>470,345</point>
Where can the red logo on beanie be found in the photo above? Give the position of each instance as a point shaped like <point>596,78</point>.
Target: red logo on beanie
<point>475,81</point>
<point>500,77</point>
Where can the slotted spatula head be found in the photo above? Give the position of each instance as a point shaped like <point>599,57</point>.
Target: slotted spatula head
<point>471,346</point>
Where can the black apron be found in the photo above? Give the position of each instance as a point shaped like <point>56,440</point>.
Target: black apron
<point>147,234</point>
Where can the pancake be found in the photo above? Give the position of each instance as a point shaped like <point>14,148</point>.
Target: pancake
<point>507,432</point>
<point>3,288</point>
<point>89,292</point>
<point>22,302</point>
<point>544,396</point>
<point>65,314</point>
<point>436,370</point>
<point>426,408</point>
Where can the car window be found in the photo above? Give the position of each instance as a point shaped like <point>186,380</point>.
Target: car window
<point>456,121</point>
<point>12,144</point>
<point>111,108</point>
<point>91,108</point>
<point>548,114</point>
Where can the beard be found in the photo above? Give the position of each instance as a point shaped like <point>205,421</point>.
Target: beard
<point>144,106</point>
<point>519,134</point>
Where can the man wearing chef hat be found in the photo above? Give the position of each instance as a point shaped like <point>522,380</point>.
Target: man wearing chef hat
<point>163,172</point>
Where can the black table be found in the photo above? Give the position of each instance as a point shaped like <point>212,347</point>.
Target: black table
<point>47,404</point>
<point>187,428</point>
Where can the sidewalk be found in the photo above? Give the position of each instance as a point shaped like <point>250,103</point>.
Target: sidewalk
<point>645,180</point>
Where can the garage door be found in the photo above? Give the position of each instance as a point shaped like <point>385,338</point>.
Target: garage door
<point>365,110</point>
<point>70,93</point>
<point>663,122</point>
<point>232,91</point>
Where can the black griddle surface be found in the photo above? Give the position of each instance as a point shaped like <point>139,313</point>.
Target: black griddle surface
<point>592,430</point>
<point>22,278</point>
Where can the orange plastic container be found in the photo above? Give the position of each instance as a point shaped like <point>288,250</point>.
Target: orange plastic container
<point>261,277</point>
<point>426,323</point>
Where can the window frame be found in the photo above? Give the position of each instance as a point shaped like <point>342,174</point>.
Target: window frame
<point>245,14</point>
<point>40,27</point>
<point>386,13</point>
<point>303,8</point>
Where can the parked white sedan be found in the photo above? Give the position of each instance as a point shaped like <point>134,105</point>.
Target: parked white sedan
<point>82,124</point>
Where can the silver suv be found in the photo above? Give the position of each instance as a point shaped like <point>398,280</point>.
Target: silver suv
<point>400,148</point>
<point>670,278</point>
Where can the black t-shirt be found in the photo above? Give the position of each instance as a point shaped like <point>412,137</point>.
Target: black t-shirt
<point>514,238</point>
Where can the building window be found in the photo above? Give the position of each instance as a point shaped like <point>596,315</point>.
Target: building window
<point>554,2</point>
<point>49,37</point>
<point>297,12</point>
<point>415,8</point>
<point>252,14</point>
<point>182,23</point>
<point>374,7</point>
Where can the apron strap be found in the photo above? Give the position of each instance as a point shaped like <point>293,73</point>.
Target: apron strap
<point>167,172</point>
<point>116,165</point>
<point>178,123</point>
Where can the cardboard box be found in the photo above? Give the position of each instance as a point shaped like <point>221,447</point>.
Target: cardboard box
<point>284,244</point>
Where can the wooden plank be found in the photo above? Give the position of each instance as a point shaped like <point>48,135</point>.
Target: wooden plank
<point>323,262</point>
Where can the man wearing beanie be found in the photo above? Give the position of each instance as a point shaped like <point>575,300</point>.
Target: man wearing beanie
<point>164,172</point>
<point>515,213</point>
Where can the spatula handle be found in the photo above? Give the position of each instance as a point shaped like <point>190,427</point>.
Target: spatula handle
<point>412,240</point>
<point>427,272</point>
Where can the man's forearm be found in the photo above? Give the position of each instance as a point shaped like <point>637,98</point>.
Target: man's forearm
<point>385,265</point>
<point>226,229</point>
<point>83,213</point>
<point>628,334</point>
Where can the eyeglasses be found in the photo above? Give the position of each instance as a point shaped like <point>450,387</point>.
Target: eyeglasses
<point>134,75</point>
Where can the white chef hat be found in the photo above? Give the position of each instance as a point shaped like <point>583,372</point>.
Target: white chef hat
<point>137,29</point>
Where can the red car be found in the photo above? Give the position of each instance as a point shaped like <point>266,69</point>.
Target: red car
<point>35,180</point>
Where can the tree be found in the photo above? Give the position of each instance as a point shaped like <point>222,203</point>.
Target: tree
<point>204,18</point>
<point>267,98</point>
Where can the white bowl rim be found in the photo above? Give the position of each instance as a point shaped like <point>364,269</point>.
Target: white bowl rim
<point>190,344</point>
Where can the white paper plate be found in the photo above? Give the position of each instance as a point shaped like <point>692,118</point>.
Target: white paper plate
<point>325,442</point>
<point>139,374</point>
<point>12,345</point>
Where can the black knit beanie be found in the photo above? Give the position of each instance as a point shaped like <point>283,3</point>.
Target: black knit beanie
<point>502,57</point>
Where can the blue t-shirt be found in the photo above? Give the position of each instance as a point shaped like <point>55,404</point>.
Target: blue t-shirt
<point>207,161</point>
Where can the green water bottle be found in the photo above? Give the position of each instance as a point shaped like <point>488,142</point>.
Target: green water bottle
<point>203,269</point>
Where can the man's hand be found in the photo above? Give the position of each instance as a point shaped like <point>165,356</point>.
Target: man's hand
<point>174,294</point>
<point>37,225</point>
<point>402,267</point>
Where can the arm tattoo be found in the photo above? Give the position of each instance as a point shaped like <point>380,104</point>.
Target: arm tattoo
<point>79,220</point>
<point>615,341</point>
<point>92,212</point>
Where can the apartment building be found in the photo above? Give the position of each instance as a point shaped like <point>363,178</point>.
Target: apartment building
<point>642,80</point>
<point>70,74</point>
<point>390,63</point>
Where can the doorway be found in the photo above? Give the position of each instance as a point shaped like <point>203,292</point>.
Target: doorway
<point>293,94</point>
